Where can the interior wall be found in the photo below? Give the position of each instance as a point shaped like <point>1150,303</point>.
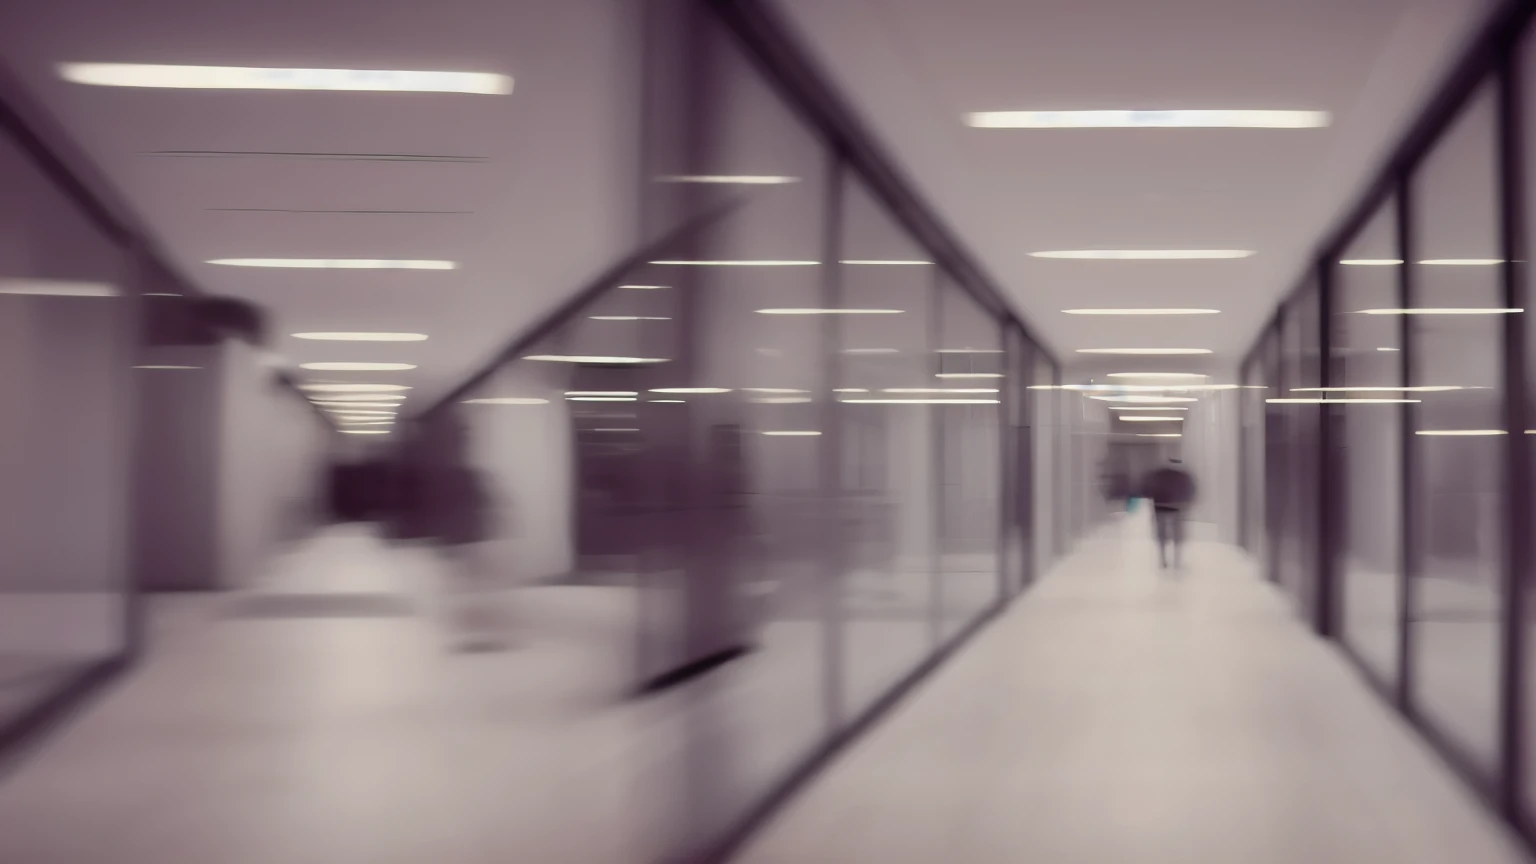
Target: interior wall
<point>271,468</point>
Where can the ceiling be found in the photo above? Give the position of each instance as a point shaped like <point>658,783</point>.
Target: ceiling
<point>540,194</point>
<point>915,68</point>
<point>538,203</point>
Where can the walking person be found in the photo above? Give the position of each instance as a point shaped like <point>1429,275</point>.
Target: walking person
<point>1171,490</point>
<point>461,516</point>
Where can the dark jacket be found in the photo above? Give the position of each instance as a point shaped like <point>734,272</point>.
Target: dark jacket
<point>1169,488</point>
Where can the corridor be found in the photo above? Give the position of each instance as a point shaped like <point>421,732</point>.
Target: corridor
<point>1120,714</point>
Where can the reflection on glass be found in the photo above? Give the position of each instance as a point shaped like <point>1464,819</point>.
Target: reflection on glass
<point>1456,540</point>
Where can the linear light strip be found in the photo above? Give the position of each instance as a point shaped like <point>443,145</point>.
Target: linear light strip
<point>1199,118</point>
<point>265,78</point>
<point>338,263</point>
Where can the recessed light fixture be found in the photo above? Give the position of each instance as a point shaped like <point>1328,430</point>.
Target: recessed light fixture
<point>894,262</point>
<point>326,403</point>
<point>357,367</point>
<point>506,400</point>
<point>1162,400</point>
<point>1146,408</point>
<point>1344,401</point>
<point>920,401</point>
<point>1143,418</point>
<point>644,287</point>
<point>628,318</point>
<point>358,397</point>
<point>602,399</point>
<point>56,288</point>
<point>1389,349</point>
<point>1460,432</point>
<point>792,433</point>
<point>595,359</point>
<point>362,337</point>
<point>667,401</point>
<point>812,311</point>
<point>1462,262</point>
<point>1372,262</point>
<point>850,390</point>
<point>338,263</point>
<point>679,390</point>
<point>940,390</point>
<point>734,179</point>
<point>968,351</point>
<point>1144,351</point>
<point>781,400</point>
<point>354,388</point>
<point>1420,389</point>
<point>1199,118</point>
<point>1145,254</point>
<point>871,350</point>
<point>1169,375</point>
<point>774,390</point>
<point>263,78</point>
<point>365,431</point>
<point>969,375</point>
<point>1442,311</point>
<point>1142,311</point>
<point>740,263</point>
<point>602,392</point>
<point>1159,435</point>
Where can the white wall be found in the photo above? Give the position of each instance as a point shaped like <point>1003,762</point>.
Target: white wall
<point>272,465</point>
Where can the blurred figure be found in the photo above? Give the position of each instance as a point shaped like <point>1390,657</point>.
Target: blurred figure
<point>1171,489</point>
<point>458,512</point>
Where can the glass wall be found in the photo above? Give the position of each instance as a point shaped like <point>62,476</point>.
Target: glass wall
<point>67,313</point>
<point>1429,482</point>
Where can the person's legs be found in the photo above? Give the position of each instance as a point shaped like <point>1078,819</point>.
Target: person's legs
<point>1176,532</point>
<point>1160,522</point>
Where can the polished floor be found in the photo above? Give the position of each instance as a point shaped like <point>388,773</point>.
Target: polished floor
<point>1115,713</point>
<point>1123,714</point>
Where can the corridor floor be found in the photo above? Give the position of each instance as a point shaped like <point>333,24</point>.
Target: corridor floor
<point>1122,714</point>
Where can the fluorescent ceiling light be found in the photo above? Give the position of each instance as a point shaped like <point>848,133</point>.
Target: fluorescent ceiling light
<point>969,375</point>
<point>365,431</point>
<point>1145,351</point>
<point>1389,349</point>
<point>1442,311</point>
<point>1171,375</point>
<point>1145,408</point>
<point>366,422</point>
<point>56,288</point>
<point>263,78</point>
<point>338,263</point>
<point>355,412</point>
<point>357,367</point>
<point>939,390</point>
<point>1142,311</point>
<point>506,400</point>
<point>667,401</point>
<point>896,262</point>
<point>809,311</point>
<point>167,367</point>
<point>781,400</point>
<point>1143,418</point>
<point>354,388</point>
<point>628,318</point>
<point>594,359</point>
<point>644,287</point>
<point>162,294</point>
<point>969,351</point>
<point>326,403</point>
<point>746,263</point>
<point>742,179</point>
<point>1336,401</point>
<point>774,390</point>
<point>1159,435</point>
<point>920,401</point>
<point>850,390</point>
<point>601,399</point>
<point>602,392</point>
<point>1202,118</point>
<point>791,433</point>
<point>1145,399</point>
<point>358,397</point>
<point>1462,262</point>
<point>676,390</point>
<point>1420,389</point>
<point>1145,254</point>
<point>871,350</point>
<point>362,337</point>
<point>1372,262</point>
<point>1461,432</point>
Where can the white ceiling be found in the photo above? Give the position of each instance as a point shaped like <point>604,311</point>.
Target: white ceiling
<point>545,205</point>
<point>916,67</point>
<point>549,199</point>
